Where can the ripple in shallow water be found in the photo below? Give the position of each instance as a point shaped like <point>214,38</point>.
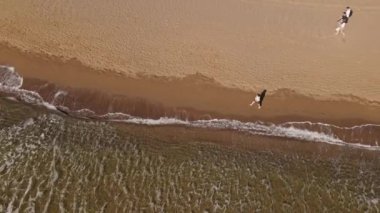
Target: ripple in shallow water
<point>53,163</point>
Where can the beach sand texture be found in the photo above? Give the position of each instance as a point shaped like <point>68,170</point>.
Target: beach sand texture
<point>248,44</point>
<point>144,104</point>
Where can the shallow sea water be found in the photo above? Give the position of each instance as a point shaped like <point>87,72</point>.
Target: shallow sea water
<point>50,162</point>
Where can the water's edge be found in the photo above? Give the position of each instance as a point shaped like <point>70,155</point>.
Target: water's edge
<point>364,136</point>
<point>52,162</point>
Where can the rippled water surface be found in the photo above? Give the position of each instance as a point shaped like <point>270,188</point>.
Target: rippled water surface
<point>50,162</point>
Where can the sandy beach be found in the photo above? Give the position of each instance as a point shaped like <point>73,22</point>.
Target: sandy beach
<point>137,105</point>
<point>202,60</point>
<point>247,45</point>
<point>192,97</point>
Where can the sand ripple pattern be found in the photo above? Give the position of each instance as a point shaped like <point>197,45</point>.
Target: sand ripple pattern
<point>50,164</point>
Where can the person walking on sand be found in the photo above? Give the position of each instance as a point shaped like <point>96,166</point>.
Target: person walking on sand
<point>349,12</point>
<point>342,24</point>
<point>344,20</point>
<point>259,99</point>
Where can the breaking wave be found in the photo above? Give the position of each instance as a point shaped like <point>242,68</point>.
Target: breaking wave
<point>366,136</point>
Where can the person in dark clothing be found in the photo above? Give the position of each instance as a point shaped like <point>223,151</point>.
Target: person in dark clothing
<point>342,24</point>
<point>344,20</point>
<point>349,12</point>
<point>259,99</point>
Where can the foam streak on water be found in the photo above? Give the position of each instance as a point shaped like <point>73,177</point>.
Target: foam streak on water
<point>366,136</point>
<point>285,130</point>
<point>51,163</point>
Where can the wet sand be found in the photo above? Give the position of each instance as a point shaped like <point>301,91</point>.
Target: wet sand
<point>16,113</point>
<point>53,163</point>
<point>190,97</point>
<point>188,60</point>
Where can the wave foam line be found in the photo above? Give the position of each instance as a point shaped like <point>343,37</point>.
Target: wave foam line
<point>255,128</point>
<point>11,82</point>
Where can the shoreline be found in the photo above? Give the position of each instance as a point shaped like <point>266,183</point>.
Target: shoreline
<point>145,106</point>
<point>97,155</point>
<point>179,135</point>
<point>243,142</point>
<point>195,95</point>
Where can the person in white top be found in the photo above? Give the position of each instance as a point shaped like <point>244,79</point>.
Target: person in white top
<point>349,12</point>
<point>342,24</point>
<point>344,20</point>
<point>259,99</point>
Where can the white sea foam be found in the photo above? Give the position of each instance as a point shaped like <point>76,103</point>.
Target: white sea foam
<point>155,122</point>
<point>57,95</point>
<point>11,82</point>
<point>116,116</point>
<point>329,125</point>
<point>28,122</point>
<point>257,128</point>
<point>10,78</point>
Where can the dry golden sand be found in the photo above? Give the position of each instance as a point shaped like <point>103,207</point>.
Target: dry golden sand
<point>246,44</point>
